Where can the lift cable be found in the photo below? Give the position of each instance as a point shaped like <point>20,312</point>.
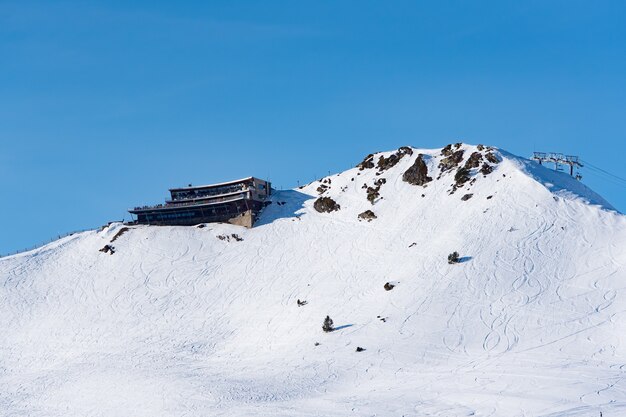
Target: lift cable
<point>604,177</point>
<point>593,167</point>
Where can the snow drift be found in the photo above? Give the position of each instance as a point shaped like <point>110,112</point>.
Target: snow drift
<point>189,321</point>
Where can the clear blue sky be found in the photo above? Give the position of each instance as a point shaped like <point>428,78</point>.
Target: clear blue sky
<point>104,105</point>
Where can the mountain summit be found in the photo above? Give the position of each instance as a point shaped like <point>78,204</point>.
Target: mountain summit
<point>527,320</point>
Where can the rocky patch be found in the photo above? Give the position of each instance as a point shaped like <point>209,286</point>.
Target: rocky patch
<point>108,249</point>
<point>451,161</point>
<point>326,205</point>
<point>227,238</point>
<point>461,177</point>
<point>474,160</point>
<point>367,215</point>
<point>372,193</point>
<point>120,233</point>
<point>491,157</point>
<point>417,174</point>
<point>389,162</point>
<point>486,169</point>
<point>368,162</point>
<point>322,189</point>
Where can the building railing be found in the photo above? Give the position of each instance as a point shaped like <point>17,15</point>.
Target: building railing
<point>190,203</point>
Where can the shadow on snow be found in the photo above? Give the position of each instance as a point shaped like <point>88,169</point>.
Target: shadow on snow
<point>285,204</point>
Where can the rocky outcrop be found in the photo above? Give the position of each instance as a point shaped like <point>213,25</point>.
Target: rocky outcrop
<point>417,174</point>
<point>486,169</point>
<point>368,162</point>
<point>491,157</point>
<point>367,215</point>
<point>326,205</point>
<point>373,193</point>
<point>108,249</point>
<point>474,160</point>
<point>451,161</point>
<point>461,177</point>
<point>389,162</point>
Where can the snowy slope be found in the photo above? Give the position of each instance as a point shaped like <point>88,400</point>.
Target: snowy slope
<point>178,322</point>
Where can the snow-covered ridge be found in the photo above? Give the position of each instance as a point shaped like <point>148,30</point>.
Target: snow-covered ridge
<point>181,321</point>
<point>480,161</point>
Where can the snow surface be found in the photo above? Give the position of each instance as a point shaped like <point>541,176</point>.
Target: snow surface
<point>178,322</point>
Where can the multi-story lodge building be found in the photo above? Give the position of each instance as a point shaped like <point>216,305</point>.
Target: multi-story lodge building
<point>237,202</point>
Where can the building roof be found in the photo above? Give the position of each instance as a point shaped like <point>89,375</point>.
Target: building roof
<point>213,185</point>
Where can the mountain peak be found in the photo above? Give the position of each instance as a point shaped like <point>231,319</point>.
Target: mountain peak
<point>454,179</point>
<point>456,281</point>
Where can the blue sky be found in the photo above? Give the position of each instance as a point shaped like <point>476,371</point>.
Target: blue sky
<point>104,105</point>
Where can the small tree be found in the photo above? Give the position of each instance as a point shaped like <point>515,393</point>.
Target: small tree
<point>453,258</point>
<point>328,324</point>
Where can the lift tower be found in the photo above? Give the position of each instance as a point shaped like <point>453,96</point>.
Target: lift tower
<point>558,159</point>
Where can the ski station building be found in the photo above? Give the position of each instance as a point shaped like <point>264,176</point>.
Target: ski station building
<point>237,202</point>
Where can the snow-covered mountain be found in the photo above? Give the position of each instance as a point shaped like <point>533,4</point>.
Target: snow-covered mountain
<point>205,321</point>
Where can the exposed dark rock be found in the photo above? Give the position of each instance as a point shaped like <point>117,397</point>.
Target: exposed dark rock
<point>388,286</point>
<point>367,215</point>
<point>301,303</point>
<point>119,233</point>
<point>480,147</point>
<point>359,349</point>
<point>227,238</point>
<point>368,162</point>
<point>328,325</point>
<point>417,174</point>
<point>489,197</point>
<point>461,177</point>
<point>474,160</point>
<point>491,157</point>
<point>108,249</point>
<point>386,163</point>
<point>372,193</point>
<point>466,197</point>
<point>201,226</point>
<point>447,150</point>
<point>322,189</point>
<point>451,161</point>
<point>326,205</point>
<point>486,169</point>
<point>454,258</point>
